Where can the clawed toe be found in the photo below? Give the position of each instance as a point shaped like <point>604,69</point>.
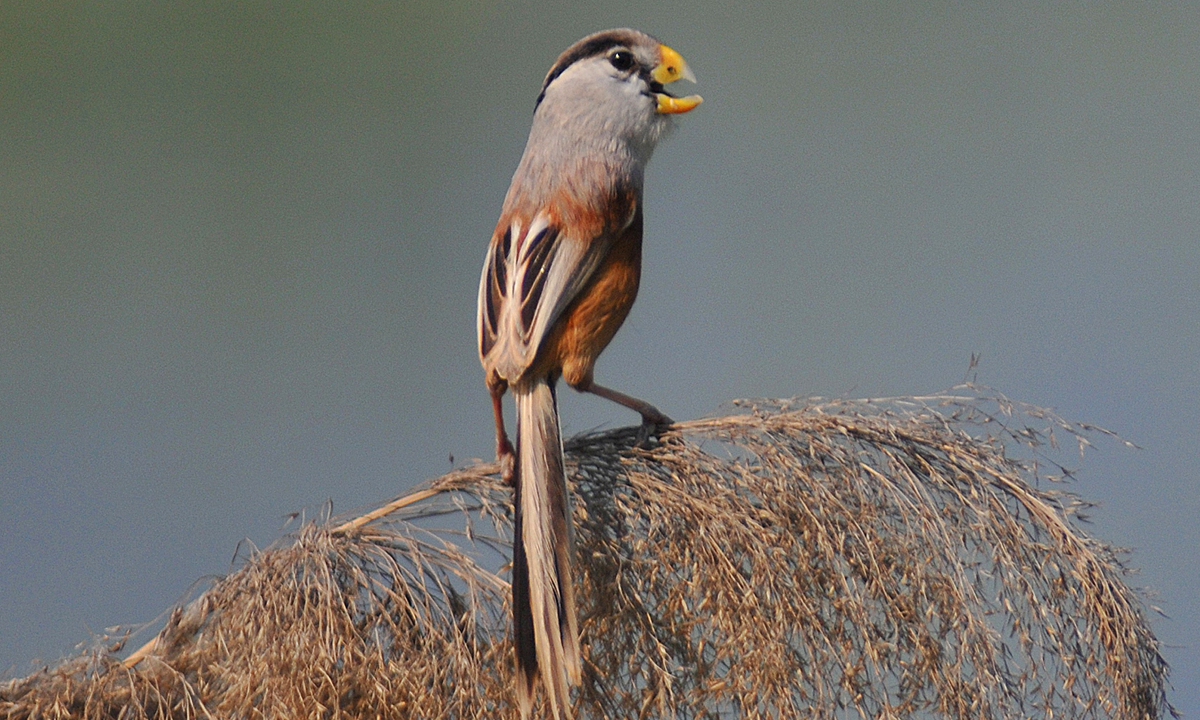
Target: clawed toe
<point>506,457</point>
<point>652,425</point>
<point>508,469</point>
<point>656,419</point>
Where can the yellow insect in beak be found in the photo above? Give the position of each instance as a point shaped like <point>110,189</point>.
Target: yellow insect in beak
<point>672,68</point>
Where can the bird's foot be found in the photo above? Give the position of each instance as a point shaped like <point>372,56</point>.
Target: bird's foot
<point>506,457</point>
<point>654,417</point>
<point>653,423</point>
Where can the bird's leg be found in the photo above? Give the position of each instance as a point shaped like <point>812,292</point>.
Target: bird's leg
<point>505,455</point>
<point>652,418</point>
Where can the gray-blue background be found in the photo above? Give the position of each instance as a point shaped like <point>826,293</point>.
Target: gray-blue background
<point>240,243</point>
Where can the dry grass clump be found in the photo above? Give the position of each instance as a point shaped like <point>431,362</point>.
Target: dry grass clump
<point>904,558</point>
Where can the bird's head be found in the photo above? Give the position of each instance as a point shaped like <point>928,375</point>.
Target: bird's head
<point>613,85</point>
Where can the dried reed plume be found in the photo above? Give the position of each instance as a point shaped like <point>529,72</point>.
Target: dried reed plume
<point>839,559</point>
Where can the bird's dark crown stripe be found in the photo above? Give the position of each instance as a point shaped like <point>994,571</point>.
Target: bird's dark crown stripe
<point>582,50</point>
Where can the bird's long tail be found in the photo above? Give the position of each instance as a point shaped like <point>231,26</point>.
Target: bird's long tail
<point>546,631</point>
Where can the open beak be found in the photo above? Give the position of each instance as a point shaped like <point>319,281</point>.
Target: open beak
<point>672,68</point>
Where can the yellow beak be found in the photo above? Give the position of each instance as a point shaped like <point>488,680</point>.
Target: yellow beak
<point>672,68</point>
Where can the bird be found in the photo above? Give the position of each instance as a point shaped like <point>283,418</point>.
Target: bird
<point>559,277</point>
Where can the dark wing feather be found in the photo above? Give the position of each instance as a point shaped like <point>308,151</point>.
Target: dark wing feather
<point>529,278</point>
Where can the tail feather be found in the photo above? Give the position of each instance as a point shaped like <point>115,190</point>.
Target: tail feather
<point>546,629</point>
<point>523,633</point>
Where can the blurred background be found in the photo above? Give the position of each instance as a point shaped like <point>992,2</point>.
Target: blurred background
<point>240,245</point>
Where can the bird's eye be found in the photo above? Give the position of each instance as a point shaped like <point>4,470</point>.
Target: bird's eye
<point>621,60</point>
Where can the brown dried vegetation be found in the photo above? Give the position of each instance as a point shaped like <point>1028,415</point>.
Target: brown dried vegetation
<point>839,559</point>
